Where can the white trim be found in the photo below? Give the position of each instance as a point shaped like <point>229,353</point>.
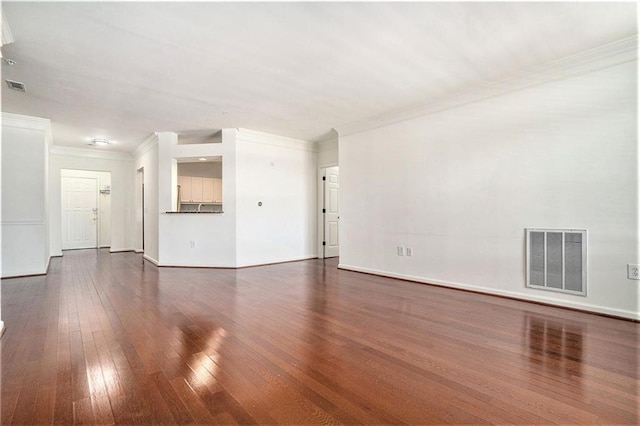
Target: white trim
<point>1,328</point>
<point>606,56</point>
<point>147,145</point>
<point>322,171</point>
<point>25,122</point>
<point>7,36</point>
<point>327,145</point>
<point>246,135</point>
<point>238,266</point>
<point>138,250</point>
<point>150,259</point>
<point>120,250</point>
<point>275,262</point>
<point>89,153</point>
<point>34,273</point>
<point>331,135</point>
<point>22,223</point>
<point>524,297</point>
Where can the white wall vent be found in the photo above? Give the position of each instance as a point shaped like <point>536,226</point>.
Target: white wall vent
<point>557,260</point>
<point>16,85</point>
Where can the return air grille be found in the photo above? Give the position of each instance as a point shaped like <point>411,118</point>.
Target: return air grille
<point>557,260</point>
<point>16,85</point>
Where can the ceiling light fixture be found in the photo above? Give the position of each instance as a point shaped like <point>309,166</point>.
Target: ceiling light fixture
<point>202,159</point>
<point>100,141</point>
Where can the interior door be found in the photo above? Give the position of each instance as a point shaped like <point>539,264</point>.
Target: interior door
<point>331,215</point>
<point>79,213</point>
<point>140,210</point>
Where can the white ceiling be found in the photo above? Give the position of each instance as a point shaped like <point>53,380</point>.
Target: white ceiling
<point>124,70</point>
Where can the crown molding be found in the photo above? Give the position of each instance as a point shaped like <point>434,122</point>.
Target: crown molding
<point>147,145</point>
<point>602,57</point>
<point>246,135</point>
<point>327,144</point>
<point>10,119</point>
<point>89,153</point>
<point>7,36</point>
<point>27,122</point>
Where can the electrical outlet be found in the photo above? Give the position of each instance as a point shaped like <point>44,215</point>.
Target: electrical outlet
<point>633,271</point>
<point>400,251</point>
<point>192,244</point>
<point>409,251</point>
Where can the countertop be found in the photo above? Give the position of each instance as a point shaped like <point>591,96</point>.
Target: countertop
<point>194,212</point>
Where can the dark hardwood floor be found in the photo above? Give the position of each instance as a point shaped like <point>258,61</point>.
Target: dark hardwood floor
<point>107,338</point>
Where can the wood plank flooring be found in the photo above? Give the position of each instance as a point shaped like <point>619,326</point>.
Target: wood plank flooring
<point>108,338</point>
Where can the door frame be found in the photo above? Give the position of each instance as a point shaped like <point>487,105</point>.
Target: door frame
<point>321,174</point>
<point>139,190</point>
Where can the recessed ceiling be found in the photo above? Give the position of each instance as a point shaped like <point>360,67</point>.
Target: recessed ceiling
<point>124,70</point>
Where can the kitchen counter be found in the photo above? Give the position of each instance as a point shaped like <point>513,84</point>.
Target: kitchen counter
<point>194,212</point>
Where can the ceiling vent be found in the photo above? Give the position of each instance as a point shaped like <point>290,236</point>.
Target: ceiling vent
<point>16,85</point>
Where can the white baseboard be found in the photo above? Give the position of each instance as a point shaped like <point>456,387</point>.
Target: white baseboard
<point>295,259</point>
<point>237,266</point>
<point>25,274</point>
<point>120,250</point>
<point>138,250</point>
<point>494,292</point>
<point>150,259</point>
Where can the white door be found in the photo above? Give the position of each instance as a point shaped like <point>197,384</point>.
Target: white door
<point>331,215</point>
<point>140,211</point>
<point>79,213</point>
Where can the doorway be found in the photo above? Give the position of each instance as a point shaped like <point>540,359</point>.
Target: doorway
<point>330,211</point>
<point>79,213</point>
<point>85,200</point>
<point>139,248</point>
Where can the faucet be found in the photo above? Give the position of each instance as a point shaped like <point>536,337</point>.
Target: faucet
<point>199,206</point>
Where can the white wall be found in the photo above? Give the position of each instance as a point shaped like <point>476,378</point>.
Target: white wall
<point>213,235</point>
<point>146,157</point>
<point>278,171</point>
<point>328,152</point>
<point>117,208</point>
<point>459,187</point>
<point>25,215</point>
<point>281,173</point>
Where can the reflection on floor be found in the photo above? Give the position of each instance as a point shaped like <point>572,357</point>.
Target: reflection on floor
<point>109,338</point>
